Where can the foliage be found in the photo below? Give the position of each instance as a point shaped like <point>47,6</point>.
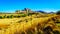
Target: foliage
<point>23,15</point>
<point>58,12</point>
<point>17,10</point>
<point>11,16</point>
<point>4,16</point>
<point>0,17</point>
<point>56,32</point>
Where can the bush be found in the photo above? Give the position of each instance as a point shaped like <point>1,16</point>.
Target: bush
<point>0,17</point>
<point>11,16</point>
<point>15,16</point>
<point>56,32</point>
<point>47,30</point>
<point>18,16</point>
<point>8,16</point>
<point>57,21</point>
<point>4,16</point>
<point>58,12</point>
<point>30,14</point>
<point>24,15</point>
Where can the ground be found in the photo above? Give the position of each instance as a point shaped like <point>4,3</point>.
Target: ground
<point>35,24</point>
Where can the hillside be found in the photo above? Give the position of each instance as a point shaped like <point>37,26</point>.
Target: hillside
<point>34,24</point>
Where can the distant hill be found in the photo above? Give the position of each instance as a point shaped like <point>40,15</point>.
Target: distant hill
<point>40,11</point>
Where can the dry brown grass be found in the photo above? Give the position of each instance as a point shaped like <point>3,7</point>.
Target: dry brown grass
<point>24,24</point>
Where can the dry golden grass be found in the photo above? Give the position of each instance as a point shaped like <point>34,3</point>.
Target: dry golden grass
<point>19,25</point>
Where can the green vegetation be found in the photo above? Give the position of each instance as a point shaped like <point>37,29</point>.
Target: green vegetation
<point>58,24</point>
<point>56,32</point>
<point>58,12</point>
<point>0,17</point>
<point>13,16</point>
<point>23,15</point>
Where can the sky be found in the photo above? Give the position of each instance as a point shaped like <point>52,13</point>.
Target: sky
<point>44,5</point>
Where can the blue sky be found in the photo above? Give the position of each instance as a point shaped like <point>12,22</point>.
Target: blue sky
<point>45,5</point>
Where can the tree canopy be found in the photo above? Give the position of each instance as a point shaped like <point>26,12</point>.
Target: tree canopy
<point>58,12</point>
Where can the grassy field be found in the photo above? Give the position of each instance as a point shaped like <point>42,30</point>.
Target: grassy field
<point>58,24</point>
<point>34,24</point>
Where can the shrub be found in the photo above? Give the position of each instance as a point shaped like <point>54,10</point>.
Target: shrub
<point>57,21</point>
<point>56,32</point>
<point>10,16</point>
<point>4,16</point>
<point>15,16</point>
<point>29,14</point>
<point>7,16</point>
<point>47,30</point>
<point>23,15</point>
<point>18,16</point>
<point>0,17</point>
<point>58,12</point>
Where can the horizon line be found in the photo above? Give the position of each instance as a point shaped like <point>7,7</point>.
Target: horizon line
<point>45,10</point>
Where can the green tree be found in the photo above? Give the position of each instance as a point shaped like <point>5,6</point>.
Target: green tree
<point>58,12</point>
<point>11,16</point>
<point>0,17</point>
<point>4,16</point>
<point>7,16</point>
<point>27,11</point>
<point>17,11</point>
